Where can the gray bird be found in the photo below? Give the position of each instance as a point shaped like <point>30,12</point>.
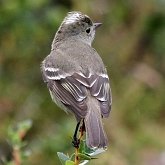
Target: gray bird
<point>77,78</point>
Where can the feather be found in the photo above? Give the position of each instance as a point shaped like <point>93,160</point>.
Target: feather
<point>71,90</point>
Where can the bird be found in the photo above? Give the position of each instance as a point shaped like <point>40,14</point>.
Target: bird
<point>77,78</point>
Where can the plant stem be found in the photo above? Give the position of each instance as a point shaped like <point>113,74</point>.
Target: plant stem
<point>76,156</point>
<point>16,156</point>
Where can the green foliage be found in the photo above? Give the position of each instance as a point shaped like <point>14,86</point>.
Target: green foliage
<point>63,158</point>
<point>85,154</point>
<point>17,133</point>
<point>15,136</point>
<point>69,162</point>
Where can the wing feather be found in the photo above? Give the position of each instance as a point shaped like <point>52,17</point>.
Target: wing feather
<point>71,90</point>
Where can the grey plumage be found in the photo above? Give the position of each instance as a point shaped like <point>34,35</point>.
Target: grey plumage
<point>77,79</point>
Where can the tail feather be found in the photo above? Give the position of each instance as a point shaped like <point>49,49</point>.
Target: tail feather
<point>95,134</point>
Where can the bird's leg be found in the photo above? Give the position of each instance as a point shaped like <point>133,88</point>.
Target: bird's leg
<point>82,130</point>
<point>75,140</point>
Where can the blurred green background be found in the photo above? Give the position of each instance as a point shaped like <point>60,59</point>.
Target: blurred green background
<point>131,43</point>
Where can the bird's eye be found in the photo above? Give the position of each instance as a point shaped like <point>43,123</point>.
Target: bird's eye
<point>88,30</point>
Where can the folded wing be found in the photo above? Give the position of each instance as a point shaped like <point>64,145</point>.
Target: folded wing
<point>71,90</point>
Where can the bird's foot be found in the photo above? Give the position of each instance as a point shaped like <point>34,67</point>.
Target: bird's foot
<point>76,142</point>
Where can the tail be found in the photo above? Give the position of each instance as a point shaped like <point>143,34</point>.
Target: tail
<point>95,135</point>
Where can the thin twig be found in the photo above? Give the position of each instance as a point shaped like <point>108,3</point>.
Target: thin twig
<point>76,156</point>
<point>16,156</point>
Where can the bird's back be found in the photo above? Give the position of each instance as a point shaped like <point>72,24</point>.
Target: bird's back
<point>76,56</point>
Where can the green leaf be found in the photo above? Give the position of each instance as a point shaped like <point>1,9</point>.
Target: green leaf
<point>63,158</point>
<point>85,149</point>
<point>84,156</point>
<point>69,162</point>
<point>17,132</point>
<point>82,146</point>
<point>25,125</point>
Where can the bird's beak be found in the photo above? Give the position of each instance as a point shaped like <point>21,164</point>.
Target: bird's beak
<point>96,25</point>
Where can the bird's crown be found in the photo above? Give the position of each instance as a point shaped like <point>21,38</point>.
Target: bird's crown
<point>76,16</point>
